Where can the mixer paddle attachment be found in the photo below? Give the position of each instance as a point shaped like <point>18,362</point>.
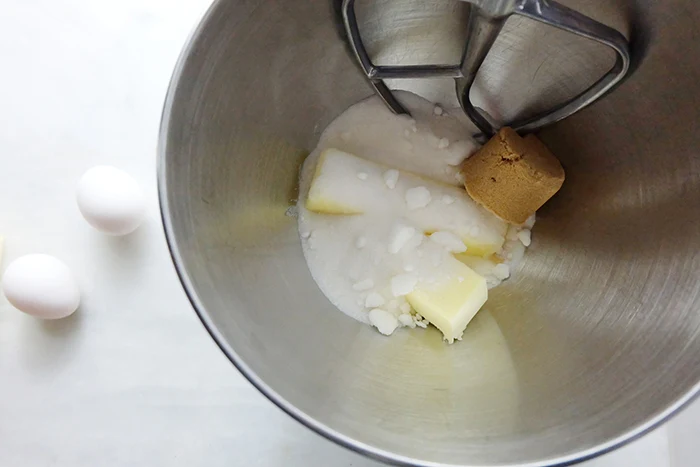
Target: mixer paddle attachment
<point>486,20</point>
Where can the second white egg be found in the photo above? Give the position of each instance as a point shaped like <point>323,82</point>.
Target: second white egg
<point>42,286</point>
<point>111,200</point>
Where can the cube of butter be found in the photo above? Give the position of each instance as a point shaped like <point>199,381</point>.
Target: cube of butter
<point>337,189</point>
<point>451,303</point>
<point>512,176</point>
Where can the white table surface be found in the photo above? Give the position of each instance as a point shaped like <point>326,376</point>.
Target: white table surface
<point>132,379</point>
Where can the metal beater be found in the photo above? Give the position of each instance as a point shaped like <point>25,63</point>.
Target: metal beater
<point>486,20</point>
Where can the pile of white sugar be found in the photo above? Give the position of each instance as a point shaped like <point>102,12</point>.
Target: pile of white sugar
<point>365,264</point>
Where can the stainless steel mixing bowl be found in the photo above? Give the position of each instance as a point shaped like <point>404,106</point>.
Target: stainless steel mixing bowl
<point>594,341</point>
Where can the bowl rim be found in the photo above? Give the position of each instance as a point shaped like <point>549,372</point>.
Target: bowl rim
<point>322,429</point>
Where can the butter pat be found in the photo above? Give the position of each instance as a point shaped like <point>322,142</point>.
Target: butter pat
<point>450,304</point>
<point>512,176</point>
<point>335,190</point>
<point>325,197</point>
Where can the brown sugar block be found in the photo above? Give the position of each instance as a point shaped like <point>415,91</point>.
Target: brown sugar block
<point>512,176</point>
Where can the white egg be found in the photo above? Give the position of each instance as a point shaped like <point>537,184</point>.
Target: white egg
<point>111,200</point>
<point>42,286</point>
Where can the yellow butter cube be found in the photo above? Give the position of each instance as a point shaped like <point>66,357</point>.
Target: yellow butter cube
<point>451,304</point>
<point>346,184</point>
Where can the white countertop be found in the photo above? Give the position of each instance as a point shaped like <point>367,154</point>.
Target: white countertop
<point>132,379</point>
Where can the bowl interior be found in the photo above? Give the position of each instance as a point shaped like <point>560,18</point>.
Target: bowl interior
<point>593,341</point>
